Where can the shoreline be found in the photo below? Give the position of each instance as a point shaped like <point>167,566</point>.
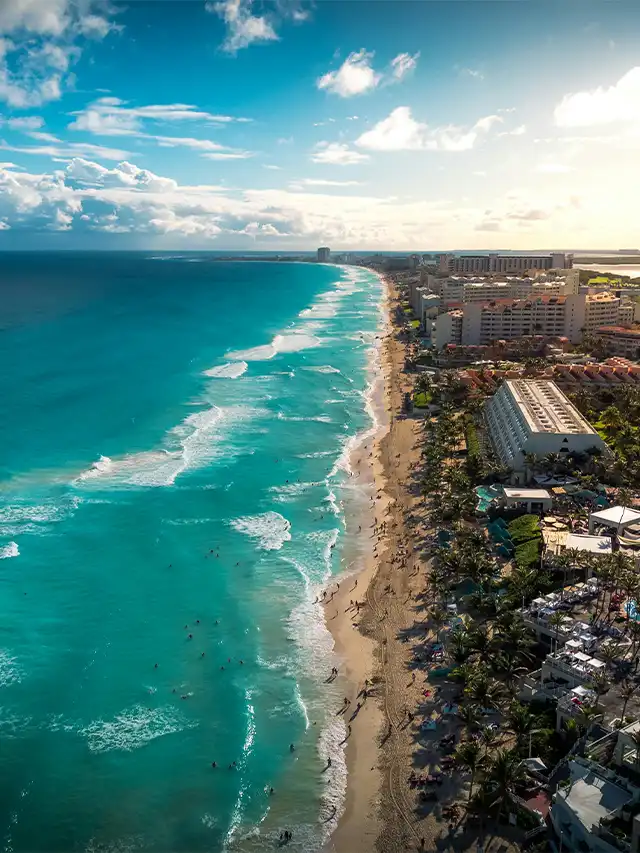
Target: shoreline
<point>359,825</point>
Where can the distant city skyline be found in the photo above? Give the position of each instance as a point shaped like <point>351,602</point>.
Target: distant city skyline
<point>245,126</point>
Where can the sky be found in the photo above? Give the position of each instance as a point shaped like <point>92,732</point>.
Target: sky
<point>282,126</point>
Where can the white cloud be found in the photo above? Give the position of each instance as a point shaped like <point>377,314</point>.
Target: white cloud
<point>67,150</point>
<point>517,131</point>
<point>229,155</point>
<point>354,77</point>
<point>40,41</point>
<point>617,104</point>
<point>398,132</point>
<point>25,123</point>
<point>337,154</point>
<point>472,72</point>
<point>321,182</point>
<point>109,116</point>
<point>125,199</point>
<point>401,132</point>
<point>403,64</point>
<point>272,167</point>
<point>41,136</point>
<point>243,27</point>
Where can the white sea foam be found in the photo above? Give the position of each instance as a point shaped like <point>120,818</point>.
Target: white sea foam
<point>230,370</point>
<point>10,550</point>
<point>10,670</point>
<point>133,728</point>
<point>21,517</point>
<point>290,491</point>
<point>103,466</point>
<point>317,454</point>
<point>294,342</point>
<point>200,438</point>
<point>321,368</point>
<point>320,419</point>
<point>270,529</point>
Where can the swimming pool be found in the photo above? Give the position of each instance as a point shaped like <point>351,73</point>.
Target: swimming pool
<point>486,494</point>
<point>632,610</point>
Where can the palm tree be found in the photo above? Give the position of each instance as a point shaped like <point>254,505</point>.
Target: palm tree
<point>488,738</point>
<point>465,673</point>
<point>439,618</point>
<point>481,642</point>
<point>469,755</point>
<point>509,669</point>
<point>555,620</point>
<point>505,772</point>
<point>523,724</point>
<point>485,691</point>
<point>469,716</point>
<point>627,690</point>
<point>458,648</point>
<point>599,683</point>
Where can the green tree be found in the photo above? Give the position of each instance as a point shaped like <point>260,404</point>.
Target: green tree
<point>469,755</point>
<point>505,772</point>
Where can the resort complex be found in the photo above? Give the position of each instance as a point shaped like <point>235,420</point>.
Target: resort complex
<point>508,556</point>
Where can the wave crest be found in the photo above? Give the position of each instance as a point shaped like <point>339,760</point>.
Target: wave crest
<point>270,529</point>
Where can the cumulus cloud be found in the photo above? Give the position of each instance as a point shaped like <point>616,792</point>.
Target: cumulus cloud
<point>243,27</point>
<point>39,41</point>
<point>88,197</point>
<point>337,154</point>
<point>356,76</point>
<point>399,131</point>
<point>619,103</point>
<point>403,64</point>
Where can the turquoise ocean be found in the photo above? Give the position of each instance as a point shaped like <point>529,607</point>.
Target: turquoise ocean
<point>174,447</point>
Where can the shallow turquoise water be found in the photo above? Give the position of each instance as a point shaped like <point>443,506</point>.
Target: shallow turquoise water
<point>172,464</point>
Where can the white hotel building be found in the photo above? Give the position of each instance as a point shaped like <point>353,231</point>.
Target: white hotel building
<point>534,416</point>
<point>503,263</point>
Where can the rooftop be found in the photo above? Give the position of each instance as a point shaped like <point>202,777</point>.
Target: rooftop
<point>546,408</point>
<point>526,494</point>
<point>592,797</point>
<point>584,542</point>
<point>619,330</point>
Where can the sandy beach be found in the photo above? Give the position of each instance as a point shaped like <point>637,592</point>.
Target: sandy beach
<point>382,811</point>
<point>364,642</point>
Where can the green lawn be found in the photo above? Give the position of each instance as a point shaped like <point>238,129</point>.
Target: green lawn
<point>415,324</point>
<point>422,400</point>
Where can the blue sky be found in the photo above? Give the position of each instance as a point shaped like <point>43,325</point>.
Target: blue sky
<point>286,125</point>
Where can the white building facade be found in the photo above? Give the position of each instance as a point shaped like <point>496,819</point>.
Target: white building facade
<point>534,416</point>
<point>492,263</point>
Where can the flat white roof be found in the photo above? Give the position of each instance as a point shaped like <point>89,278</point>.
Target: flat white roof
<point>615,515</point>
<point>527,494</point>
<point>582,542</point>
<point>546,408</point>
<point>591,797</point>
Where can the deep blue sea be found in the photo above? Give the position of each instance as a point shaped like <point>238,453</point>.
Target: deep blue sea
<point>173,475</point>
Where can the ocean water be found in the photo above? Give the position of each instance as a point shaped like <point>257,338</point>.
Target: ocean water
<point>173,479</point>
